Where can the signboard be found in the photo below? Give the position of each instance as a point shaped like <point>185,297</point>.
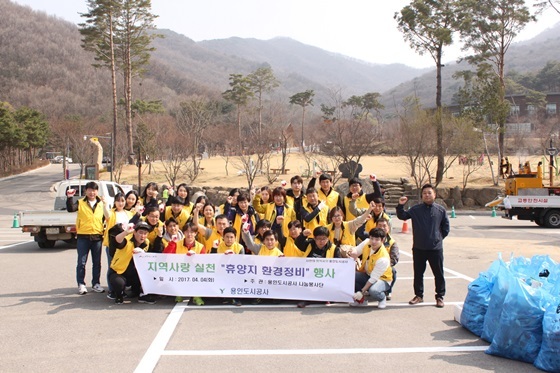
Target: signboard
<point>246,276</point>
<point>92,172</point>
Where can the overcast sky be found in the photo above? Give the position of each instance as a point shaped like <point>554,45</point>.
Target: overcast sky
<point>364,29</point>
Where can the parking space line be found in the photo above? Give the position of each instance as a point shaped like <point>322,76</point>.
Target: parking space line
<point>157,348</point>
<point>455,273</point>
<point>337,351</point>
<point>15,244</point>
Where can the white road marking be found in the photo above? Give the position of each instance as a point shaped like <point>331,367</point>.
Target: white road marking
<point>157,348</point>
<point>15,244</point>
<point>337,351</point>
<point>472,217</point>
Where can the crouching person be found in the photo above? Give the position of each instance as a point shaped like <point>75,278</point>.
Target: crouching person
<point>374,274</point>
<point>130,241</point>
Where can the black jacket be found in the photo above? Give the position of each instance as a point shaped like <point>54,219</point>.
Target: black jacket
<point>430,225</point>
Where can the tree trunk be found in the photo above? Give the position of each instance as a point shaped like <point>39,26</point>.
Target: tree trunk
<point>439,124</point>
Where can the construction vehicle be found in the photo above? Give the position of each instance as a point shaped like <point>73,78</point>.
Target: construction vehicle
<point>527,198</point>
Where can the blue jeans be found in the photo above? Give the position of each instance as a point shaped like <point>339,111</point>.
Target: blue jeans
<point>376,291</point>
<point>85,245</point>
<point>109,260</point>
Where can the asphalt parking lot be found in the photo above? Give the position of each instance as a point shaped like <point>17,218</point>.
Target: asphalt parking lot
<point>48,327</point>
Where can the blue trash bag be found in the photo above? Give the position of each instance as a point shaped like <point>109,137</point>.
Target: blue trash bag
<point>494,309</point>
<point>539,267</point>
<point>520,329</point>
<point>478,298</point>
<point>549,355</point>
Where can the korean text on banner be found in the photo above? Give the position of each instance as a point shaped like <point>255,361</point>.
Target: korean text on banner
<point>246,276</point>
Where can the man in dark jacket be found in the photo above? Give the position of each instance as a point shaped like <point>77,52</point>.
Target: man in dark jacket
<point>430,225</point>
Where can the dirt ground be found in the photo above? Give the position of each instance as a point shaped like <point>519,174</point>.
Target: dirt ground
<point>385,167</point>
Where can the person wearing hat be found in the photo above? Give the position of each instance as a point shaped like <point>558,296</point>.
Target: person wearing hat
<point>132,240</point>
<point>326,193</point>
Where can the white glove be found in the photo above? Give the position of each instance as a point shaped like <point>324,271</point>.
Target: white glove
<point>191,252</point>
<point>70,192</point>
<point>321,205</point>
<point>358,296</point>
<point>140,209</point>
<point>216,243</point>
<point>138,250</point>
<point>161,207</point>
<point>246,227</point>
<point>174,238</point>
<point>228,252</point>
<point>372,177</point>
<point>245,218</point>
<point>128,228</point>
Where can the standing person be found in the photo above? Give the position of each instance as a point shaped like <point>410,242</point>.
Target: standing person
<point>295,195</point>
<point>430,225</point>
<point>131,200</point>
<point>261,199</point>
<point>149,198</point>
<point>279,212</point>
<point>314,212</point>
<point>184,197</point>
<point>326,193</point>
<point>89,229</point>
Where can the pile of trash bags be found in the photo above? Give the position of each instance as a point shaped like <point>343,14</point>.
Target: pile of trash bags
<point>515,306</point>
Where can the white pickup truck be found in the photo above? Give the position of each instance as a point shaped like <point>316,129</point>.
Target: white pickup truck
<point>49,226</point>
<point>535,204</point>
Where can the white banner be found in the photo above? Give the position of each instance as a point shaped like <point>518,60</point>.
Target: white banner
<point>246,276</point>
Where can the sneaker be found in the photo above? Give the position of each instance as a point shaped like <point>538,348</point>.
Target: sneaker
<point>178,299</point>
<point>97,288</point>
<point>358,304</point>
<point>111,295</point>
<point>388,296</point>
<point>416,300</point>
<point>198,301</point>
<point>382,303</point>
<point>148,299</point>
<point>439,303</point>
<point>119,299</point>
<point>82,290</point>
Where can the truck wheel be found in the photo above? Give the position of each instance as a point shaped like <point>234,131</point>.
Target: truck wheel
<point>46,244</point>
<point>552,219</point>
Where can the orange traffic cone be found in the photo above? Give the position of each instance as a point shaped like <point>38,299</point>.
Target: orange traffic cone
<point>404,227</point>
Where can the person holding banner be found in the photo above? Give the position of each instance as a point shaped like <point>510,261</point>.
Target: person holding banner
<point>123,272</point>
<point>288,244</point>
<point>374,275</point>
<point>318,247</point>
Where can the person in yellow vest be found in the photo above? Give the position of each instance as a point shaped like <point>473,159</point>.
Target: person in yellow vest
<point>356,194</point>
<point>326,193</point>
<point>89,229</point>
<point>150,198</point>
<point>278,212</point>
<point>229,245</point>
<point>173,238</point>
<point>243,213</point>
<point>212,236</point>
<point>318,247</point>
<point>539,170</point>
<point>296,195</point>
<point>176,211</point>
<point>341,232</point>
<point>374,276</point>
<point>314,212</point>
<point>183,196</point>
<point>157,229</point>
<point>207,219</point>
<point>269,244</point>
<point>114,216</point>
<point>261,227</point>
<point>260,200</point>
<point>393,249</point>
<point>132,240</point>
<point>377,213</point>
<point>288,244</point>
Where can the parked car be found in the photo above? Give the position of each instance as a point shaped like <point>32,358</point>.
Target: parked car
<point>60,159</point>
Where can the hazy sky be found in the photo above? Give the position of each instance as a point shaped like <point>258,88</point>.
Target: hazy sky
<point>363,29</point>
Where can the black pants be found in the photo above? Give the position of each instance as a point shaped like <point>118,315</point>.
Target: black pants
<point>435,259</point>
<point>127,278</point>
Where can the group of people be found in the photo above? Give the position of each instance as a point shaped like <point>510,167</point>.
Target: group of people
<point>295,222</point>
